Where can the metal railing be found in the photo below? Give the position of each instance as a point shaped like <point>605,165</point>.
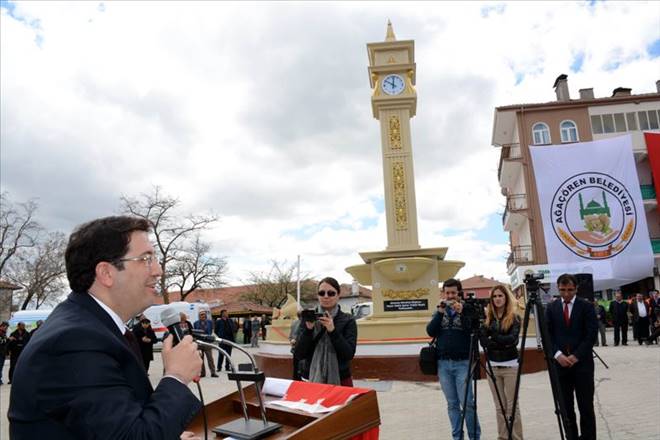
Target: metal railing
<point>520,255</point>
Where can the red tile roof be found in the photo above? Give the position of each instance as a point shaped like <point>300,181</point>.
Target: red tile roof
<point>232,294</point>
<point>479,282</point>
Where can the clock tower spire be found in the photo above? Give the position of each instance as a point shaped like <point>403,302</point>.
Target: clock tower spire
<point>390,32</point>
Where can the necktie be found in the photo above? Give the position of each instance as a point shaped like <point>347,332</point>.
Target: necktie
<point>133,344</point>
<point>567,317</point>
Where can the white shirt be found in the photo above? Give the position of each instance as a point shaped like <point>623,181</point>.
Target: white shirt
<point>122,327</point>
<point>115,317</point>
<point>641,308</point>
<point>570,311</point>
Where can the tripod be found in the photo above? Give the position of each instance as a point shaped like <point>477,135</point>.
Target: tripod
<point>471,380</point>
<point>474,367</point>
<point>534,302</point>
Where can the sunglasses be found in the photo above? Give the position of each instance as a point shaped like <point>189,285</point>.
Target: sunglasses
<point>327,292</point>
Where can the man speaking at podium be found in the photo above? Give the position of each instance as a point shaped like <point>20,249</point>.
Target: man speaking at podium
<point>81,376</point>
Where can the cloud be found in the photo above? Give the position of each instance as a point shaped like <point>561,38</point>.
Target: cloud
<point>261,113</point>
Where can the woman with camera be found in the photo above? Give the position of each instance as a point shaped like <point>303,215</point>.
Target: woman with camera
<point>327,339</point>
<point>499,337</point>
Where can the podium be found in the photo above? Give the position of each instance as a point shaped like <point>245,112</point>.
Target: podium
<point>355,417</point>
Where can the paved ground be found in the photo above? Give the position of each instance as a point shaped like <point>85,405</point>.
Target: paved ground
<point>627,401</point>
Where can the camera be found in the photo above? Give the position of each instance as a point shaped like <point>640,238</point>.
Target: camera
<point>310,315</point>
<point>447,303</point>
<point>473,309</point>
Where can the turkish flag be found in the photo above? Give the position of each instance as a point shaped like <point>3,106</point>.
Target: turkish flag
<point>653,147</point>
<point>319,398</point>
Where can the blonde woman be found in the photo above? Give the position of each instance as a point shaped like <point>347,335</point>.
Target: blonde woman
<point>500,341</point>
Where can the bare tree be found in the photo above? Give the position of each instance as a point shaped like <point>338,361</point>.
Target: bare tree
<point>18,229</point>
<point>171,231</point>
<point>194,268</point>
<point>40,271</point>
<point>271,288</point>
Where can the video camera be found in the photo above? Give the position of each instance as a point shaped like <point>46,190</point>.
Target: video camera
<point>473,309</point>
<point>310,315</point>
<point>532,283</point>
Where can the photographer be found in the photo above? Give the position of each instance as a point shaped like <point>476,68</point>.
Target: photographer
<point>499,338</point>
<point>451,328</point>
<point>326,342</point>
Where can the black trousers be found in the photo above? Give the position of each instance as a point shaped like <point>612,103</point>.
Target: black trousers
<point>13,358</point>
<point>642,329</point>
<point>579,381</point>
<point>296,369</point>
<point>623,329</point>
<point>221,356</point>
<point>246,337</point>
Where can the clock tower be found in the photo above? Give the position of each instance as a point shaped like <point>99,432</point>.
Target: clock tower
<point>393,103</point>
<point>404,277</point>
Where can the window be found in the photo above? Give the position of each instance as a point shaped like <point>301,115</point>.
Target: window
<point>632,121</point>
<point>608,124</point>
<point>619,122</point>
<point>596,124</point>
<point>643,121</point>
<point>568,131</point>
<point>541,134</point>
<point>653,120</point>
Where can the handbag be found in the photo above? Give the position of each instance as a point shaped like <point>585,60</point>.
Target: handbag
<point>428,360</point>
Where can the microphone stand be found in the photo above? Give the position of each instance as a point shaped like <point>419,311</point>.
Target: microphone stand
<point>246,428</point>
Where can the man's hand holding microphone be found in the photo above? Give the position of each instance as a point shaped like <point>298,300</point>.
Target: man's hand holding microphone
<point>182,361</point>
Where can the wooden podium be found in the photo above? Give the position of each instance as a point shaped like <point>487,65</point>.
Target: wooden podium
<point>355,417</point>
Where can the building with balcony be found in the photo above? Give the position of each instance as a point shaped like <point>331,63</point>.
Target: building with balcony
<point>519,127</point>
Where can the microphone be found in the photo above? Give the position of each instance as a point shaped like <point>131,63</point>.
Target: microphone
<point>241,428</point>
<point>170,319</point>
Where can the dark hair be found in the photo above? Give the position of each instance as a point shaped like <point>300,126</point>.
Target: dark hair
<point>453,282</point>
<point>104,239</point>
<point>333,282</point>
<point>567,278</point>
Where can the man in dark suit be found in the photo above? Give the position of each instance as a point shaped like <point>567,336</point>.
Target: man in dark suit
<point>225,328</point>
<point>619,312</point>
<point>573,328</point>
<point>641,313</point>
<point>81,376</point>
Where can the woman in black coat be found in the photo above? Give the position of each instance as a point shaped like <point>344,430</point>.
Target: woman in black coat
<point>499,337</point>
<point>146,339</point>
<point>327,339</point>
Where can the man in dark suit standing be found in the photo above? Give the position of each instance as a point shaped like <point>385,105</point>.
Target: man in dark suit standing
<point>641,313</point>
<point>573,328</point>
<point>82,370</point>
<point>619,312</point>
<point>225,328</point>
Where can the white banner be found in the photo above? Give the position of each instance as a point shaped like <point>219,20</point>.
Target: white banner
<point>592,210</point>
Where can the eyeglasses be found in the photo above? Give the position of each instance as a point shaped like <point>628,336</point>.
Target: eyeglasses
<point>148,259</point>
<point>330,293</point>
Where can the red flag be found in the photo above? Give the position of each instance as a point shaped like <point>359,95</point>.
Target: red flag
<point>653,147</point>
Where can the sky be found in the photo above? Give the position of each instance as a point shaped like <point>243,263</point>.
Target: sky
<point>260,113</point>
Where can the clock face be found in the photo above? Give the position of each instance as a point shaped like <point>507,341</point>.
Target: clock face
<point>393,84</point>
